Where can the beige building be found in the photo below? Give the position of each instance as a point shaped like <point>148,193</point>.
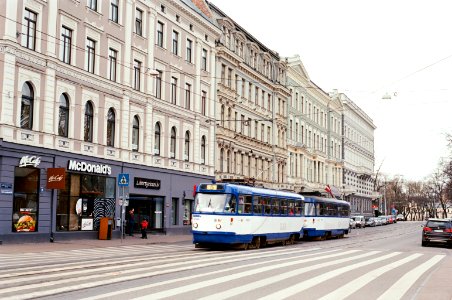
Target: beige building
<point>251,105</point>
<point>101,88</point>
<point>314,133</point>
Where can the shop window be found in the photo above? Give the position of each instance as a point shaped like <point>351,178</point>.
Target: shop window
<point>84,200</point>
<point>26,200</point>
<point>174,211</point>
<point>188,210</point>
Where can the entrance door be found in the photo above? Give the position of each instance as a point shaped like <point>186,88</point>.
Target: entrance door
<point>151,208</point>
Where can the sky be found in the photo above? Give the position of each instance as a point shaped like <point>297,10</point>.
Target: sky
<point>368,49</point>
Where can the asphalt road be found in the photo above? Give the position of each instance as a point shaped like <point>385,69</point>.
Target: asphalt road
<point>385,262</point>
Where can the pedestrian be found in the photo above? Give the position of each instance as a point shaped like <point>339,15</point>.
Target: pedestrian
<point>130,221</point>
<point>144,226</point>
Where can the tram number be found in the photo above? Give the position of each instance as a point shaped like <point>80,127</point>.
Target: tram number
<point>211,187</point>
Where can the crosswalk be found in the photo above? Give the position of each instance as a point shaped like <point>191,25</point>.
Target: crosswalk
<point>183,272</point>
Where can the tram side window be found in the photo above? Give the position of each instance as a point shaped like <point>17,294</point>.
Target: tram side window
<point>284,209</point>
<point>257,205</point>
<point>245,204</point>
<point>231,204</point>
<point>299,205</point>
<point>309,209</point>
<point>291,206</point>
<point>332,210</point>
<point>267,206</point>
<point>275,206</point>
<point>343,211</point>
<point>322,209</point>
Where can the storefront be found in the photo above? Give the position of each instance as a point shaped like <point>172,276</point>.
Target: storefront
<point>52,195</point>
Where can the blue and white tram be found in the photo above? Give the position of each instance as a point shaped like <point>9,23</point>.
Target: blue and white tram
<point>326,217</point>
<point>238,215</point>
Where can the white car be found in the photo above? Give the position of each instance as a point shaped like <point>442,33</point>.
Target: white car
<point>352,224</point>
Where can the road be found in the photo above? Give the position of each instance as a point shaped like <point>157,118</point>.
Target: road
<point>385,262</point>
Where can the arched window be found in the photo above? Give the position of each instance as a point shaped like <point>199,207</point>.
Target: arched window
<point>157,139</point>
<point>187,146</point>
<point>203,149</point>
<point>135,133</point>
<point>88,125</point>
<point>222,116</point>
<point>221,160</point>
<point>111,119</point>
<point>63,118</point>
<point>228,162</point>
<point>26,108</point>
<point>173,143</point>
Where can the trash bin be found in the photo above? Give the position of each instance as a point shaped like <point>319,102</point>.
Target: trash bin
<point>105,228</point>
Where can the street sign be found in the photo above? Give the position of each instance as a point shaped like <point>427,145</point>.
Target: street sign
<point>123,179</point>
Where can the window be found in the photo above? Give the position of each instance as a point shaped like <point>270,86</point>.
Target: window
<point>66,40</point>
<point>189,51</point>
<point>174,211</point>
<point>137,73</point>
<point>113,58</point>
<point>63,118</point>
<point>173,143</point>
<point>139,22</point>
<point>177,18</point>
<point>203,149</point>
<point>187,146</point>
<point>157,139</point>
<point>114,11</point>
<point>111,119</point>
<point>203,102</point>
<point>92,4</point>
<point>162,8</point>
<point>204,60</point>
<point>135,133</point>
<point>158,85</point>
<point>26,107</point>
<point>88,124</point>
<point>25,201</point>
<point>30,29</point>
<point>175,42</point>
<point>160,27</point>
<point>91,55</point>
<point>187,95</point>
<point>173,90</point>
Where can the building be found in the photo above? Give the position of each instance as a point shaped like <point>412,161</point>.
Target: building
<point>252,108</point>
<point>314,133</point>
<point>93,89</point>
<point>359,159</point>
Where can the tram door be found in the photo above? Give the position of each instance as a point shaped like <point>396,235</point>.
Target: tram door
<point>150,208</point>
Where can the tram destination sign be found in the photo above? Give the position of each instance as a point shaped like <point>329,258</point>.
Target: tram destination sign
<point>146,183</point>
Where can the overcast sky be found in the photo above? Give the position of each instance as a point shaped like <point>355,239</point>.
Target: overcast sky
<point>366,49</point>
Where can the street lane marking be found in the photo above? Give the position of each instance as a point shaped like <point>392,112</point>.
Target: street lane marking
<point>398,289</point>
<point>353,286</point>
<point>203,284</point>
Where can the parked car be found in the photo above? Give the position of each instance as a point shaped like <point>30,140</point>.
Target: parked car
<point>437,231</point>
<point>352,224</point>
<point>383,219</point>
<point>360,222</point>
<point>370,222</point>
<point>378,221</point>
<point>400,217</point>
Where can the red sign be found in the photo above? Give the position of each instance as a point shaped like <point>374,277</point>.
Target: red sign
<point>56,178</point>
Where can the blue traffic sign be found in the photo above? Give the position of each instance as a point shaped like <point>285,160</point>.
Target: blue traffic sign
<point>123,179</point>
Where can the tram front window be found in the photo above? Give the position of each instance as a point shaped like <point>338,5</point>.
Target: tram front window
<point>216,203</point>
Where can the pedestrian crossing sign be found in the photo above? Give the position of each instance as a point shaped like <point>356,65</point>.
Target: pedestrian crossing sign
<point>123,179</point>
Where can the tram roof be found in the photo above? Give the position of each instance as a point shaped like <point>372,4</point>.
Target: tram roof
<point>255,190</point>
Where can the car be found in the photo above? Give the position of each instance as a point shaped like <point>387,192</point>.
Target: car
<point>378,221</point>
<point>370,222</point>
<point>400,217</point>
<point>360,222</point>
<point>352,224</point>
<point>437,231</point>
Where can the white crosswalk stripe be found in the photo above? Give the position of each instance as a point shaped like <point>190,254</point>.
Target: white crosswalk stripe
<point>163,271</point>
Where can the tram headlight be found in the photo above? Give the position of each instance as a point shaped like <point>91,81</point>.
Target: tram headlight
<point>218,226</point>
<point>195,225</point>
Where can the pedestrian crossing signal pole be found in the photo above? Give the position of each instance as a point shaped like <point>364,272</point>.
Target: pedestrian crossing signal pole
<point>123,181</point>
<point>123,210</point>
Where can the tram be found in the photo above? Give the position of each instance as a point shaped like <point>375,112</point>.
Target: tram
<point>325,217</point>
<point>229,214</point>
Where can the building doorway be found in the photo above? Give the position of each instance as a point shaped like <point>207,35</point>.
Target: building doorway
<point>149,207</point>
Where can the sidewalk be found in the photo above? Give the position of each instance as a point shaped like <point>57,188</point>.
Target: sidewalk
<point>92,243</point>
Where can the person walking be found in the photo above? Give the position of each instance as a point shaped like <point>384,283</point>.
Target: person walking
<point>131,221</point>
<point>144,226</point>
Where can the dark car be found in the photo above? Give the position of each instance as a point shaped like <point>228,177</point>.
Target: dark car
<point>437,231</point>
